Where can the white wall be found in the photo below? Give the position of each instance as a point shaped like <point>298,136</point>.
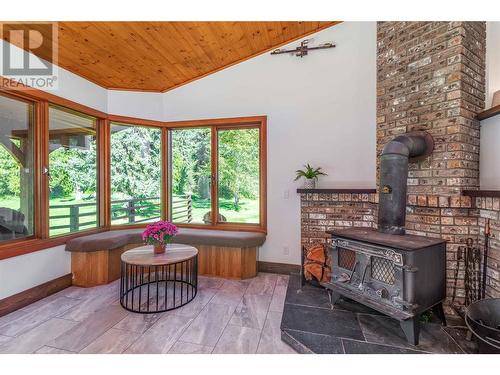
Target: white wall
<point>71,86</point>
<point>26,271</point>
<point>492,60</point>
<point>489,169</point>
<point>321,110</point>
<point>146,105</point>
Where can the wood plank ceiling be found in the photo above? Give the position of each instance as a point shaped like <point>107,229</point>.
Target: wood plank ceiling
<point>159,56</point>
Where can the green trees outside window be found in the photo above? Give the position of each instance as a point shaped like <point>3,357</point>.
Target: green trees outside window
<point>135,174</point>
<point>191,171</point>
<point>72,172</point>
<point>16,169</point>
<point>238,165</point>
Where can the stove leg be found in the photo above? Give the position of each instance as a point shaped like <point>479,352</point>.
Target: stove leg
<point>438,310</point>
<point>334,297</point>
<point>411,329</point>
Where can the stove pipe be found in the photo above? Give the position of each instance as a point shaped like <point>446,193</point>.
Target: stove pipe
<point>394,160</point>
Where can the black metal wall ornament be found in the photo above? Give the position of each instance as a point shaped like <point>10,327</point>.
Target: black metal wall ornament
<point>303,49</point>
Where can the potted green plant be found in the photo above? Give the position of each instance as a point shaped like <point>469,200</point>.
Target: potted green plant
<point>310,174</point>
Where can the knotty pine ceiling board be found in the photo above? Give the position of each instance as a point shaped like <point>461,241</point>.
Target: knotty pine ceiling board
<point>159,56</point>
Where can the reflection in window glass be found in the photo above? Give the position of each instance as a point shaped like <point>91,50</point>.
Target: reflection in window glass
<point>135,174</point>
<point>16,169</point>
<point>73,172</point>
<point>238,172</point>
<point>191,176</point>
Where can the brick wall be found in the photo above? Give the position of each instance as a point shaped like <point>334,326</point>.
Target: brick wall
<point>327,211</point>
<point>431,76</point>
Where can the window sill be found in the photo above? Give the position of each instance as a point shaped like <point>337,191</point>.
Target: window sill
<point>228,226</point>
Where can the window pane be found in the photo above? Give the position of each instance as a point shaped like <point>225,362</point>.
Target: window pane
<point>16,169</point>
<point>238,170</point>
<point>191,175</point>
<point>73,172</point>
<point>135,174</point>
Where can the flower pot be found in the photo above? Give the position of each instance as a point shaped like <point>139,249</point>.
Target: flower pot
<point>159,248</point>
<point>309,183</point>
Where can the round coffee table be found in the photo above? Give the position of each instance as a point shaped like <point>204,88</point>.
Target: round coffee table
<point>156,283</point>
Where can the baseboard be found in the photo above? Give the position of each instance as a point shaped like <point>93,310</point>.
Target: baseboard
<point>20,300</point>
<point>281,268</point>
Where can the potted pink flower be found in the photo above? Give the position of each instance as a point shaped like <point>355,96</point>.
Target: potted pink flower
<point>159,234</point>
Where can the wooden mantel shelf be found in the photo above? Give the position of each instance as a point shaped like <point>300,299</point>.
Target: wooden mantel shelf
<point>489,113</point>
<point>336,191</point>
<point>482,193</point>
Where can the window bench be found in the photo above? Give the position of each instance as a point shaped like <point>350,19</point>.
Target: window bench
<point>95,259</point>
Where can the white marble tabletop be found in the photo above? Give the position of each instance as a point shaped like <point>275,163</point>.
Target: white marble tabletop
<point>145,256</point>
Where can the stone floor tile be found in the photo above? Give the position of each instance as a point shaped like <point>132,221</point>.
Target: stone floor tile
<point>113,341</point>
<point>270,340</point>
<point>362,347</point>
<point>309,343</point>
<point>205,282</point>
<point>193,308</point>
<point>387,331</point>
<point>278,300</point>
<point>317,320</point>
<point>251,311</point>
<point>89,306</point>
<point>208,325</point>
<point>85,332</point>
<point>37,337</point>
<point>264,283</point>
<point>181,347</point>
<point>238,340</point>
<point>138,323</point>
<point>51,350</point>
<point>161,336</point>
<point>30,319</point>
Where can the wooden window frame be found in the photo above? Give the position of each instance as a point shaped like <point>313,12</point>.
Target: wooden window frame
<point>41,100</point>
<point>99,151</point>
<point>252,122</point>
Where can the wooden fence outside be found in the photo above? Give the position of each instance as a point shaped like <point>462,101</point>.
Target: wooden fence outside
<point>136,210</point>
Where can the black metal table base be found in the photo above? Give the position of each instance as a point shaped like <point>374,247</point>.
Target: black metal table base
<point>158,288</point>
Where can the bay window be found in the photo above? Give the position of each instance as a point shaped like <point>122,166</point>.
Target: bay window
<point>67,170</point>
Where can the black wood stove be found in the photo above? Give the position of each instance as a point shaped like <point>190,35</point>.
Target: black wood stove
<point>401,276</point>
<point>398,274</point>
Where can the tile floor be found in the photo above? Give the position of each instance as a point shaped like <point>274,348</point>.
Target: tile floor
<point>226,316</point>
<point>311,325</point>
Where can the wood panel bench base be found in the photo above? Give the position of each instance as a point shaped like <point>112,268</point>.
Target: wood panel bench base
<point>103,266</point>
<point>227,262</point>
<point>97,267</point>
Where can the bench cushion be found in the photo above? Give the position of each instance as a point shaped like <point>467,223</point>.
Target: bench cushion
<point>118,238</point>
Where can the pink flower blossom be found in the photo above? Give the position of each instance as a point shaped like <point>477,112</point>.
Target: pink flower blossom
<point>159,232</point>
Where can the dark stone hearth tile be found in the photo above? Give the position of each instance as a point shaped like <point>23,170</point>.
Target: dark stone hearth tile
<point>459,334</point>
<point>327,322</point>
<point>361,347</point>
<point>307,295</point>
<point>385,330</point>
<point>313,342</point>
<point>350,305</point>
<point>294,344</point>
